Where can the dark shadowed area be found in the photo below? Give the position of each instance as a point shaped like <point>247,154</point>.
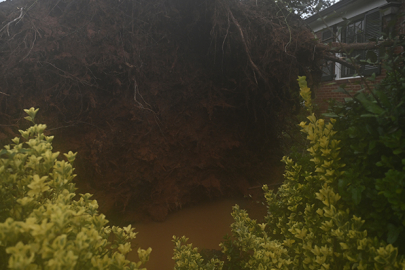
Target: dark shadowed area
<point>168,102</point>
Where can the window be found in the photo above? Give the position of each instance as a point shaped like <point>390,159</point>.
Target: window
<point>366,29</point>
<point>328,67</point>
<point>352,33</point>
<point>361,29</point>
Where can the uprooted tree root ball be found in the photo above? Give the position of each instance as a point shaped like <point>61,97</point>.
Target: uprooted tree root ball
<point>168,102</point>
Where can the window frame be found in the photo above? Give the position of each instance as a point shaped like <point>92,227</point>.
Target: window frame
<point>328,65</point>
<point>338,31</point>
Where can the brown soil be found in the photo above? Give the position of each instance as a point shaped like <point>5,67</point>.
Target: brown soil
<point>168,102</point>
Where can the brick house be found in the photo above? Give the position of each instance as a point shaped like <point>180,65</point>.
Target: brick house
<point>353,21</point>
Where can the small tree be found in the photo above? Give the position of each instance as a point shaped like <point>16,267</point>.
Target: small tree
<point>41,225</point>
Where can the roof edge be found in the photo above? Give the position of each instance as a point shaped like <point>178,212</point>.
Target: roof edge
<point>328,10</point>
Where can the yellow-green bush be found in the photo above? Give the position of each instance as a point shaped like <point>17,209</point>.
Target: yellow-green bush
<point>307,225</point>
<point>41,225</point>
<point>188,258</point>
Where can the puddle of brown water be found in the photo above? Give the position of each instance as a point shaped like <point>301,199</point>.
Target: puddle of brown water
<point>205,225</point>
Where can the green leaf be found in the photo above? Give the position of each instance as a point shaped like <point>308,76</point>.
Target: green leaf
<point>372,77</point>
<point>330,115</point>
<point>368,115</point>
<point>371,146</point>
<point>369,105</point>
<point>369,129</point>
<point>340,90</point>
<point>393,233</point>
<point>382,96</point>
<point>3,152</point>
<point>371,57</point>
<point>353,132</point>
<point>356,194</point>
<point>348,99</point>
<point>342,186</point>
<point>29,118</point>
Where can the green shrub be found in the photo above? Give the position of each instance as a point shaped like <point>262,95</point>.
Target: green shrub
<point>308,225</point>
<point>188,258</point>
<point>41,225</point>
<point>371,126</point>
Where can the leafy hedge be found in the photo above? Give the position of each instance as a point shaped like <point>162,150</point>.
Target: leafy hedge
<point>41,225</point>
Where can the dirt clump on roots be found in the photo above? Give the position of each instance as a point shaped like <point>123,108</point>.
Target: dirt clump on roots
<point>168,102</point>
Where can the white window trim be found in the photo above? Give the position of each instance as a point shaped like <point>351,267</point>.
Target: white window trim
<point>350,12</point>
<point>338,66</point>
<point>359,7</point>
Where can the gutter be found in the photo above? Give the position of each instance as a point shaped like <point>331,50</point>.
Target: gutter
<point>328,10</point>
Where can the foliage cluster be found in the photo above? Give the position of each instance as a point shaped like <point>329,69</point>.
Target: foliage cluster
<point>188,258</point>
<point>371,126</point>
<point>308,224</point>
<point>41,225</point>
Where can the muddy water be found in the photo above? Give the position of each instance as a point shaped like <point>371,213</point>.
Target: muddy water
<point>204,224</point>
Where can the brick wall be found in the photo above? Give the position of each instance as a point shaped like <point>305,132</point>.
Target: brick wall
<point>326,90</point>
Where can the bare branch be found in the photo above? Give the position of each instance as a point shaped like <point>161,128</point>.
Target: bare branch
<point>340,60</point>
<point>67,75</point>
<point>246,46</point>
<point>335,47</point>
<point>32,46</point>
<point>8,24</point>
<point>4,94</point>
